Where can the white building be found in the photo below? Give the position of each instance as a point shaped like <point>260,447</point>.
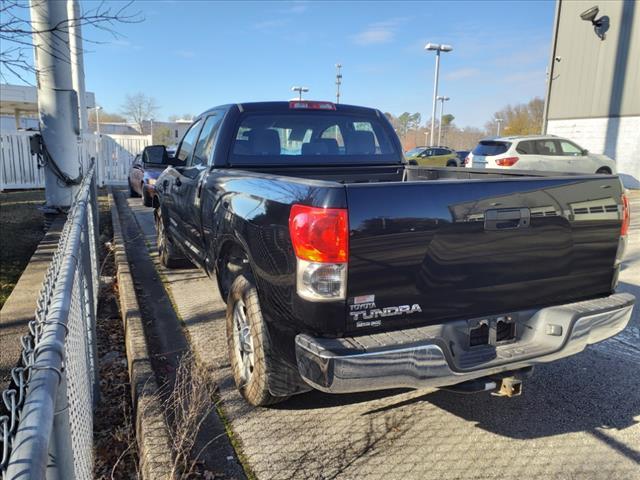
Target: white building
<point>19,107</point>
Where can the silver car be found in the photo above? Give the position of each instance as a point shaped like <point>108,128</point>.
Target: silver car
<point>538,152</point>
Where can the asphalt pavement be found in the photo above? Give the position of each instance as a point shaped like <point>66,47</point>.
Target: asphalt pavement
<point>577,418</point>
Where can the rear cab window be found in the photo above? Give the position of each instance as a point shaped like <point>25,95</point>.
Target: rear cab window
<point>489,148</point>
<point>312,137</point>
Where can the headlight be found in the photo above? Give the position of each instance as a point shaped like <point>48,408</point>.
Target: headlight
<point>151,181</point>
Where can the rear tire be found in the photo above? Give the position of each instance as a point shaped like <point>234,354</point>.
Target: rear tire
<point>169,257</point>
<point>603,171</point>
<point>249,345</point>
<point>147,201</point>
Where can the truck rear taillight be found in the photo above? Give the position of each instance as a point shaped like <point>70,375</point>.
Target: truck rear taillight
<point>507,162</point>
<point>622,242</point>
<point>626,215</point>
<point>320,239</point>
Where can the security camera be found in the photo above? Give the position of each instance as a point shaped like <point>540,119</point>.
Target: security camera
<point>590,14</point>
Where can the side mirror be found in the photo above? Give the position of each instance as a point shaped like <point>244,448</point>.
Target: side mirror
<point>155,155</point>
<point>413,162</point>
<point>584,151</point>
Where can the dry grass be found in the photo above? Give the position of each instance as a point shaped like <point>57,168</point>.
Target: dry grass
<point>21,229</point>
<point>187,406</point>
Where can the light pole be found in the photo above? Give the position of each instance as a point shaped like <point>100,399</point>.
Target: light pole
<point>499,122</point>
<point>98,108</point>
<point>437,47</point>
<point>338,81</point>
<point>300,91</point>
<point>442,100</point>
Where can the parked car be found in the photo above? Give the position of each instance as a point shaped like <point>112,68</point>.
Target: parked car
<point>144,172</point>
<point>538,152</point>
<point>432,157</point>
<point>462,155</point>
<point>345,269</point>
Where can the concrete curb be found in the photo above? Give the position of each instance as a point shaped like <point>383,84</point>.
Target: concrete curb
<point>152,432</point>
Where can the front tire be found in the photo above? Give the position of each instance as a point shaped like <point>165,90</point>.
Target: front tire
<point>169,257</point>
<point>147,201</point>
<point>249,345</point>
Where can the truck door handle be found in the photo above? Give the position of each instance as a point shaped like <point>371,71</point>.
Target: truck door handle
<point>507,218</point>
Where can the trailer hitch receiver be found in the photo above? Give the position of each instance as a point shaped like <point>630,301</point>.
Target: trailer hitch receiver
<point>509,387</point>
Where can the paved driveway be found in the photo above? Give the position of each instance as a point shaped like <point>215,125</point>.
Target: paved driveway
<point>577,418</point>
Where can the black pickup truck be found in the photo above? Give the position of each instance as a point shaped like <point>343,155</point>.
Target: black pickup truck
<point>345,269</point>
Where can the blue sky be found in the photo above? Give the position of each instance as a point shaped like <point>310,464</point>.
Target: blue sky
<point>191,55</point>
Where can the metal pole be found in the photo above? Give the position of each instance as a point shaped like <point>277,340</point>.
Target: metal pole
<point>98,120</point>
<point>440,124</point>
<point>435,94</point>
<point>151,120</point>
<point>57,100</point>
<point>338,82</point>
<point>77,61</point>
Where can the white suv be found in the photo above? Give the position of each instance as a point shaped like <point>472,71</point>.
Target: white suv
<point>538,152</point>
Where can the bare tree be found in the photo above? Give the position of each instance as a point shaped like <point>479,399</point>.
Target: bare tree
<point>17,31</point>
<point>139,108</point>
<point>521,119</point>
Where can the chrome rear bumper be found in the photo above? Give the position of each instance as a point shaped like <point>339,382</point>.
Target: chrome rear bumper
<point>423,357</point>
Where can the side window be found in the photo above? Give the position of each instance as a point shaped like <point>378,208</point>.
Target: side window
<point>525,148</point>
<point>186,147</point>
<point>206,141</point>
<point>569,148</point>
<point>547,147</point>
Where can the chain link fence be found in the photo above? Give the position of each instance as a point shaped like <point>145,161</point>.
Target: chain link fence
<point>46,416</point>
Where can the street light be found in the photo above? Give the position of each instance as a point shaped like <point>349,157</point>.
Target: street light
<point>300,91</point>
<point>437,47</point>
<point>97,109</point>
<point>499,122</point>
<point>442,100</point>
